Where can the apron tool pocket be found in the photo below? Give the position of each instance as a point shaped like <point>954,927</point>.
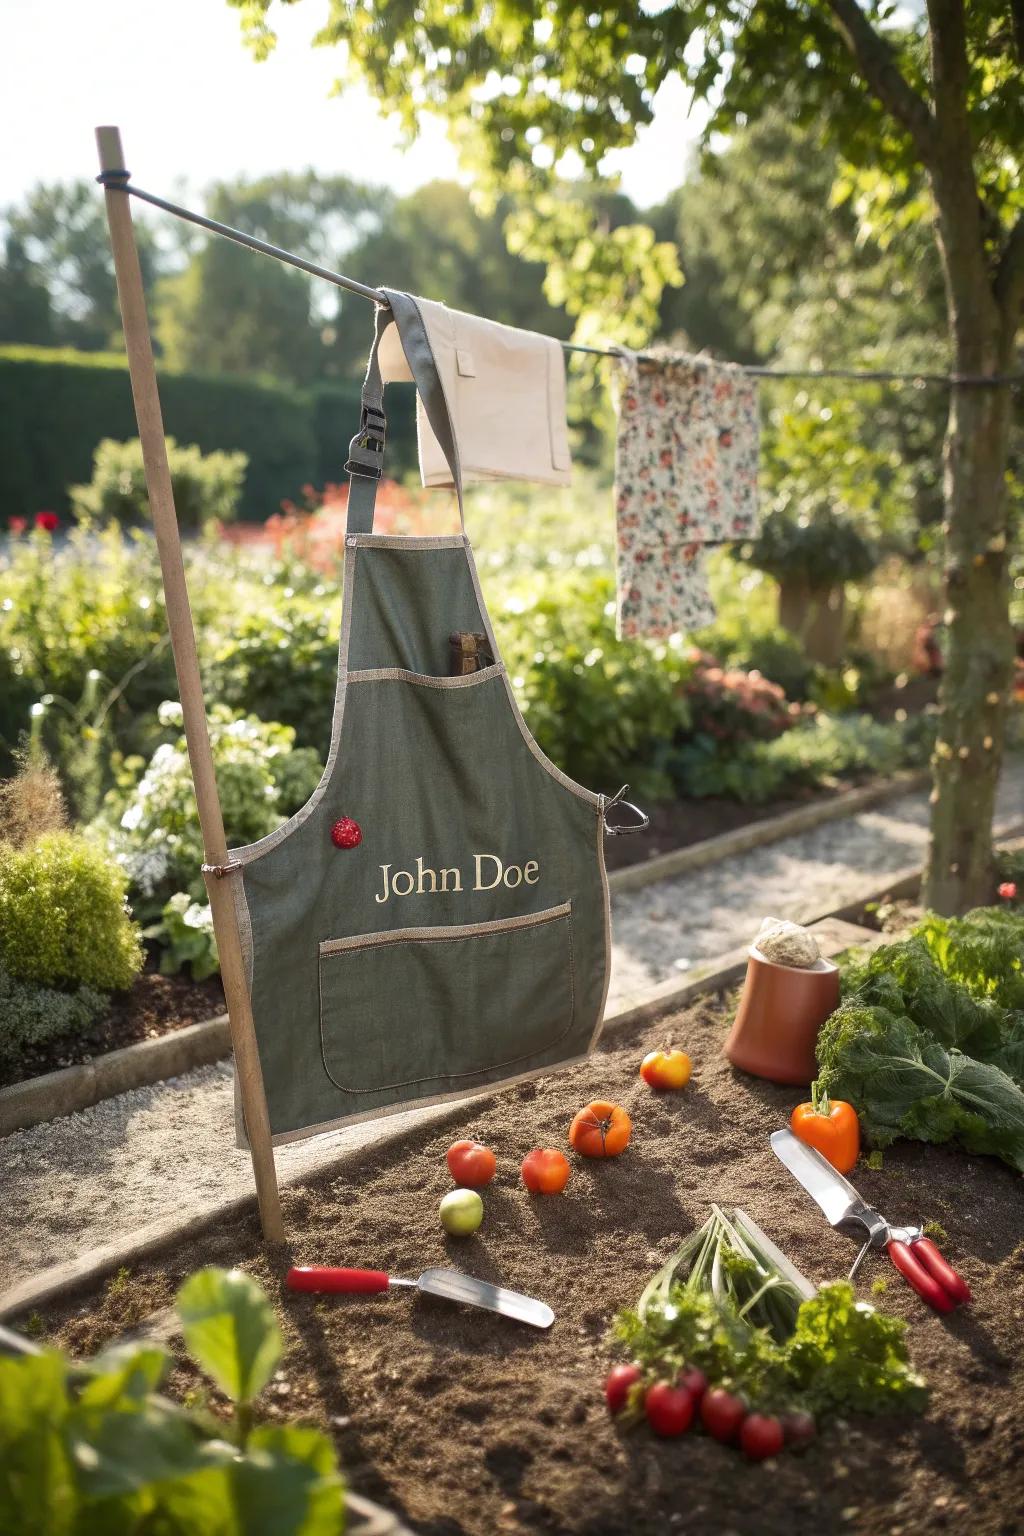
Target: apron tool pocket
<point>397,1007</point>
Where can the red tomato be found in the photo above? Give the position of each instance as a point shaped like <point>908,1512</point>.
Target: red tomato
<point>721,1413</point>
<point>760,1436</point>
<point>545,1171</point>
<point>669,1410</point>
<point>601,1129</point>
<point>694,1382</point>
<point>666,1070</point>
<point>617,1387</point>
<point>471,1165</point>
<point>798,1429</point>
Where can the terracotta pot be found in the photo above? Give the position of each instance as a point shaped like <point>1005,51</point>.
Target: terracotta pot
<point>781,1010</point>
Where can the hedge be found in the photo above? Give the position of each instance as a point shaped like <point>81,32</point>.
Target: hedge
<point>56,405</point>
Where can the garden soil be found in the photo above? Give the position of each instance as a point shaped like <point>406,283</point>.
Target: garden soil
<point>155,1005</point>
<point>466,1424</point>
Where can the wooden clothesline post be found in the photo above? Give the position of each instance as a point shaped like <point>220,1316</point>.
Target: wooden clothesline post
<point>142,372</point>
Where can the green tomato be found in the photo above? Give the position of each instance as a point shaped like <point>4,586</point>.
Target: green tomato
<point>462,1211</point>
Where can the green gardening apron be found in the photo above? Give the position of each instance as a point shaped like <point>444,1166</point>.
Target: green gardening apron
<point>434,921</point>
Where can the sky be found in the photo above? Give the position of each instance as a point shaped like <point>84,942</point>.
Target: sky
<point>194,107</point>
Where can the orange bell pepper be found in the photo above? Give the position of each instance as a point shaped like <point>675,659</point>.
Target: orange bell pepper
<point>831,1126</point>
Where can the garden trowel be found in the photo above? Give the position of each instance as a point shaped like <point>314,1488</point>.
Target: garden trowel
<point>448,1283</point>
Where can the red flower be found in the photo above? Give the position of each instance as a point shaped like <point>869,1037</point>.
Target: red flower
<point>17,524</point>
<point>48,521</point>
<point>1008,890</point>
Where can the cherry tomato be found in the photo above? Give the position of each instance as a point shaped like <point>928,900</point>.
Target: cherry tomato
<point>669,1410</point>
<point>621,1378</point>
<point>798,1430</point>
<point>760,1436</point>
<point>694,1382</point>
<point>722,1414</point>
<point>471,1165</point>
<point>666,1070</point>
<point>545,1171</point>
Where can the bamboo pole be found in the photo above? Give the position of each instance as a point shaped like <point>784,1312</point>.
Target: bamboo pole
<point>186,665</point>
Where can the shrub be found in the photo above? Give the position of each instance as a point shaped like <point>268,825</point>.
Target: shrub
<point>31,1015</point>
<point>604,710</point>
<point>823,751</point>
<point>150,818</point>
<point>84,633</point>
<point>63,919</point>
<point>821,545</point>
<point>207,487</point>
<point>735,706</point>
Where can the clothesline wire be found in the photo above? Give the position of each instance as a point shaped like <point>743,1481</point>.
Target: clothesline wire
<point>119,181</point>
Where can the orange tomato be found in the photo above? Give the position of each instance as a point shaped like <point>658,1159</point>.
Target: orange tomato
<point>470,1164</point>
<point>832,1128</point>
<point>545,1171</point>
<point>666,1070</point>
<point>600,1130</point>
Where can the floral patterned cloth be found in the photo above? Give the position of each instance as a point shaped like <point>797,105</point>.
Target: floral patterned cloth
<point>685,477</point>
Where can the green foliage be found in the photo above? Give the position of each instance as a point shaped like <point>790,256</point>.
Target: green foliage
<point>984,950</point>
<point>230,1329</point>
<point>63,919</point>
<point>903,1082</point>
<point>186,937</point>
<point>847,1357</point>
<point>93,1448</point>
<point>842,1355</point>
<point>820,752</point>
<point>603,709</point>
<point>150,818</point>
<point>31,1015</point>
<point>84,632</point>
<point>56,406</point>
<point>206,487</point>
<point>279,661</point>
<point>820,545</point>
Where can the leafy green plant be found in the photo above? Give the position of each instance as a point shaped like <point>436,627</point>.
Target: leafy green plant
<point>150,819</point>
<point>207,487</point>
<point>820,544</point>
<point>984,950</point>
<point>186,938</point>
<point>603,709</point>
<point>725,1304</point>
<point>96,1448</point>
<point>63,919</point>
<point>821,751</point>
<point>904,1082</point>
<point>31,1015</point>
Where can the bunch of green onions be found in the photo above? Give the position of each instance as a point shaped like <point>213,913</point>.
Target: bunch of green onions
<point>733,1260</point>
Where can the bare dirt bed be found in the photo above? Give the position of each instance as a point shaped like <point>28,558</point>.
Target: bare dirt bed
<point>468,1425</point>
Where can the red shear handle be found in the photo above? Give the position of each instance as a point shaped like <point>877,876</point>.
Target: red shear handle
<point>318,1278</point>
<point>915,1274</point>
<point>957,1287</point>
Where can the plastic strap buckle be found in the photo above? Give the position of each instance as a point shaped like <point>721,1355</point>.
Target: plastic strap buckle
<point>366,450</point>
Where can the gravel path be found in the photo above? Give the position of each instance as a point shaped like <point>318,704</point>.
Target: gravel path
<point>169,1150</point>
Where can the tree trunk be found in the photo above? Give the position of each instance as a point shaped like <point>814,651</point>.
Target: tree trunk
<point>979,638</point>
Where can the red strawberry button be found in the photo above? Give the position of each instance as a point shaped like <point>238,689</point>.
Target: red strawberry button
<point>346,833</point>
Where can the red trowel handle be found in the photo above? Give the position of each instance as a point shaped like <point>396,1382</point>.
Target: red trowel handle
<point>319,1278</point>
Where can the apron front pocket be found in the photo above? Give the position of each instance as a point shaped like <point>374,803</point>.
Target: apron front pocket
<point>397,1008</point>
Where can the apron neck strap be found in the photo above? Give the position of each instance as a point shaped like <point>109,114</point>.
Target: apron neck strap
<point>366,451</point>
